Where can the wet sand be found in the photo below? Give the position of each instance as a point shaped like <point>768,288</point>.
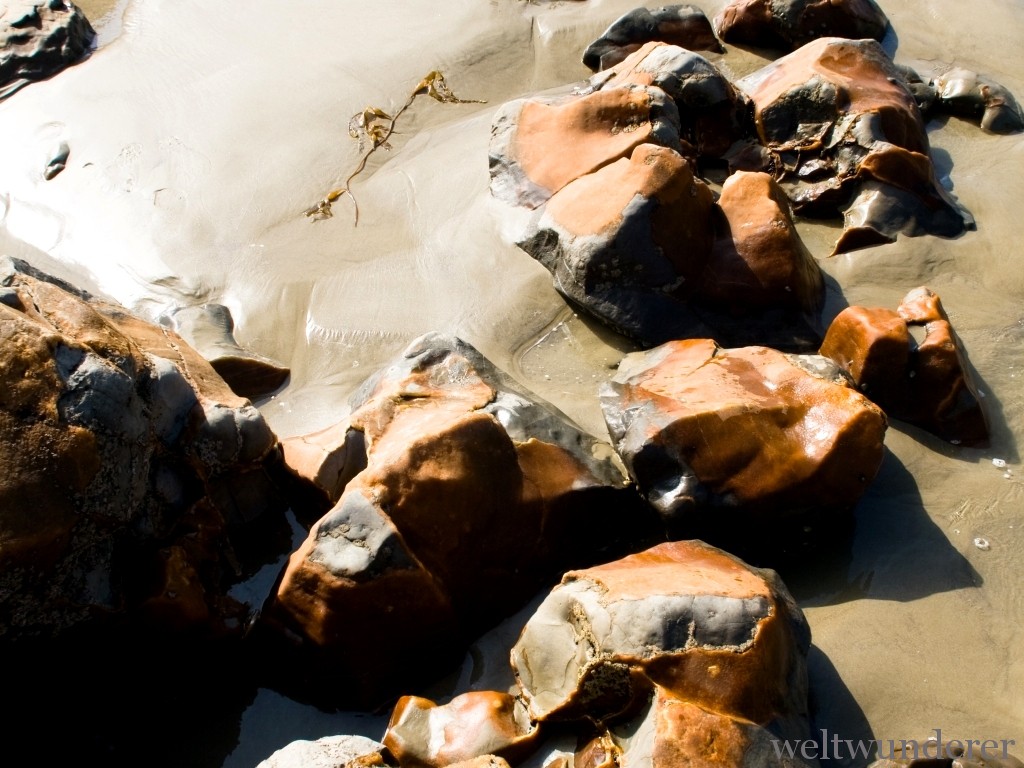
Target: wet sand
<point>198,134</point>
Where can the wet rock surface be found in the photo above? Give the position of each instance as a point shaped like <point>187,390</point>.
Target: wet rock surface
<point>742,433</point>
<point>133,476</point>
<point>683,25</point>
<point>39,39</point>
<point>910,362</point>
<point>472,492</point>
<point>789,24</point>
<point>682,626</point>
<point>846,134</point>
<point>474,725</point>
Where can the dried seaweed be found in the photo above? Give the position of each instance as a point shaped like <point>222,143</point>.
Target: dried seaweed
<point>373,128</point>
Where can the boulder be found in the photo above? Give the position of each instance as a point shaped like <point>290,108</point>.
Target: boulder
<point>683,25</point>
<point>133,478</point>
<point>844,133</point>
<point>473,492</point>
<point>471,726</point>
<point>39,38</point>
<point>328,752</point>
<point>742,434</point>
<point>911,364</point>
<point>788,24</point>
<point>683,629</point>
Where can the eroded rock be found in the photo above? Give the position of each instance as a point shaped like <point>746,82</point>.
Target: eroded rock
<point>968,94</point>
<point>38,39</point>
<point>328,752</point>
<point>788,24</point>
<point>742,433</point>
<point>911,364</point>
<point>131,472</point>
<point>471,726</point>
<point>472,492</point>
<point>680,621</point>
<point>683,25</point>
<point>845,134</point>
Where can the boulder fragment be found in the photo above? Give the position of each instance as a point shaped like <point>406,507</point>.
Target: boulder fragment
<point>746,434</point>
<point>788,24</point>
<point>38,39</point>
<point>911,364</point>
<point>683,25</point>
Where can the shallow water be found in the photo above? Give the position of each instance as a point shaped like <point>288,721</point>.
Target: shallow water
<point>199,134</point>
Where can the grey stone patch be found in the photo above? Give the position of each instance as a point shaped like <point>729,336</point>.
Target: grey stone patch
<point>328,752</point>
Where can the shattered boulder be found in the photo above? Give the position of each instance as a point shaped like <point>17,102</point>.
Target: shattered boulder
<point>39,38</point>
<point>473,491</point>
<point>788,24</point>
<point>132,478</point>
<point>911,364</point>
<point>740,434</point>
<point>683,630</point>
<point>683,25</point>
<point>968,94</point>
<point>845,134</point>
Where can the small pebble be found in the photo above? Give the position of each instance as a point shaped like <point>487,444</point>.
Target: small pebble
<point>982,543</point>
<point>1001,463</point>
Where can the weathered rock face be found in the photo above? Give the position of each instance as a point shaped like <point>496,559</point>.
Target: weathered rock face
<point>328,752</point>
<point>969,753</point>
<point>209,328</point>
<point>789,24</point>
<point>712,649</point>
<point>743,433</point>
<point>845,134</point>
<point>130,471</point>
<point>472,492</point>
<point>473,725</point>
<point>683,25</point>
<point>923,381</point>
<point>758,259</point>
<point>39,39</point>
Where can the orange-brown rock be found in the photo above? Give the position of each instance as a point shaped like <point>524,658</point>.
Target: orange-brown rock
<point>683,25</point>
<point>924,381</point>
<point>130,471</point>
<point>845,134</point>
<point>472,492</point>
<point>745,432</point>
<point>537,147</point>
<point>422,734</point>
<point>712,112</point>
<point>789,24</point>
<point>682,619</point>
<point>758,258</point>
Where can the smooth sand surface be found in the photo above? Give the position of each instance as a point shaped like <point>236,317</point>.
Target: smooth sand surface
<point>199,132</point>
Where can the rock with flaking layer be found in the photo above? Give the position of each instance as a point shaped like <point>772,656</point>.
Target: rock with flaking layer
<point>845,134</point>
<point>682,25</point>
<point>39,38</point>
<point>745,434</point>
<point>131,474</point>
<point>472,492</point>
<point>968,94</point>
<point>539,146</point>
<point>683,617</point>
<point>788,24</point>
<point>923,381</point>
<point>473,725</point>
